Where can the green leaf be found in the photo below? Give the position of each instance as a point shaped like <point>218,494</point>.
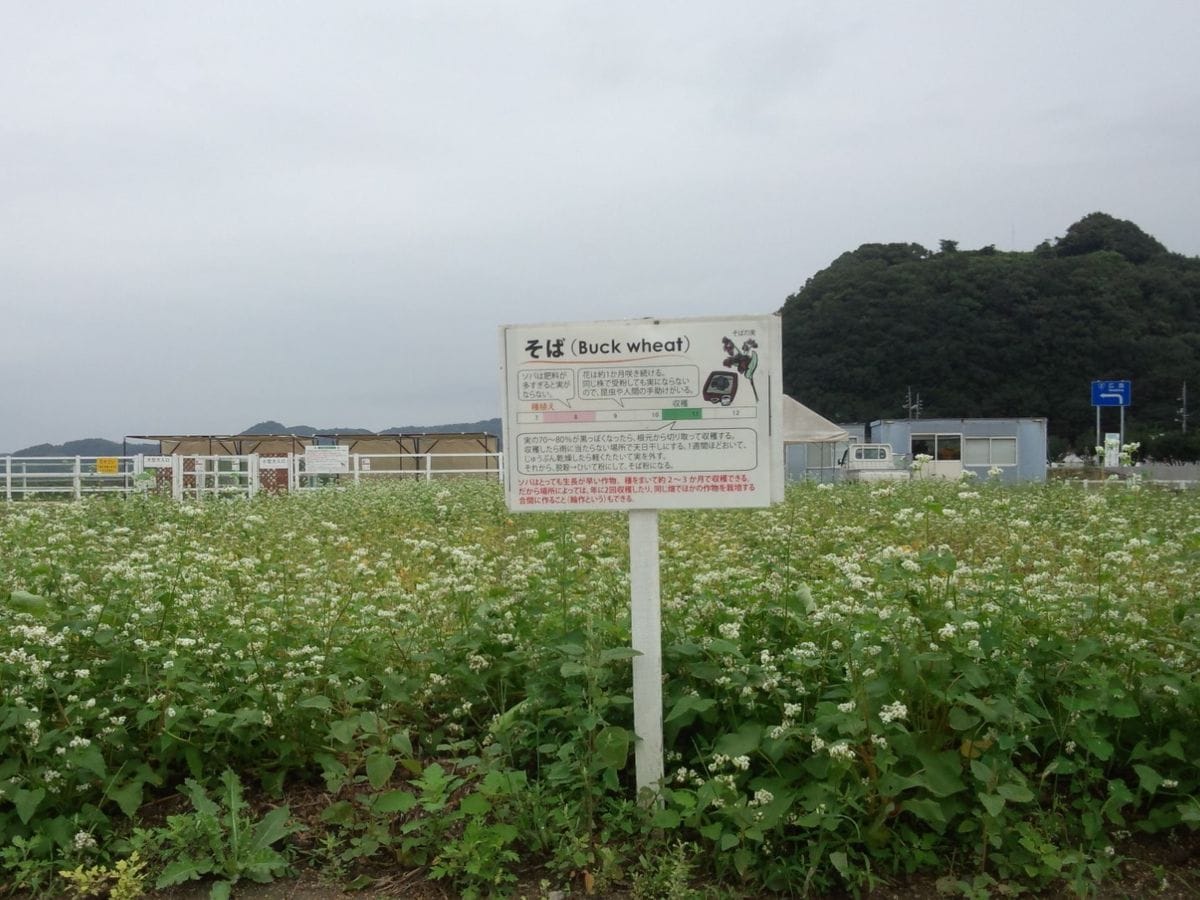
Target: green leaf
<point>394,802</point>
<point>91,759</point>
<point>665,818</point>
<point>841,863</point>
<point>23,601</point>
<point>1097,746</point>
<point>612,747</point>
<point>380,767</point>
<point>181,870</point>
<point>943,773</point>
<point>27,802</point>
<point>992,803</point>
<point>400,741</point>
<point>317,701</point>
<point>1124,708</point>
<point>615,653</point>
<point>570,669</point>
<point>926,810</point>
<point>1189,812</point>
<point>1148,778</point>
<point>742,742</point>
<point>961,720</point>
<point>343,731</point>
<point>475,804</point>
<point>1015,791</point>
<point>689,704</point>
<point>128,797</point>
<point>220,890</point>
<point>272,827</point>
<point>982,771</point>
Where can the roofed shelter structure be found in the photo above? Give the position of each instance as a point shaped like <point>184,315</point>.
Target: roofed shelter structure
<point>448,451</point>
<point>227,444</point>
<point>810,442</point>
<point>421,454</point>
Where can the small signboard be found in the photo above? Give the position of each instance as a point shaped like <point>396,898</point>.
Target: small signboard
<point>108,465</point>
<point>326,460</point>
<point>270,463</point>
<point>643,414</point>
<point>156,462</point>
<point>1112,393</point>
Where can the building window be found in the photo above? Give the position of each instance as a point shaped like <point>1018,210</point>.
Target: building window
<point>941,447</point>
<point>996,451</point>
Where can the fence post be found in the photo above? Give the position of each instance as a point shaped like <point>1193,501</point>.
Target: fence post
<point>8,478</point>
<point>176,477</point>
<point>429,467</point>
<point>77,480</point>
<point>252,465</point>
<point>354,466</point>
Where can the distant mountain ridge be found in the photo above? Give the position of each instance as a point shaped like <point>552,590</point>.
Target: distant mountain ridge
<point>87,447</point>
<point>105,447</point>
<point>489,426</point>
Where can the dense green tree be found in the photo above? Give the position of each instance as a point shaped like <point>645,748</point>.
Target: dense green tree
<point>989,333</point>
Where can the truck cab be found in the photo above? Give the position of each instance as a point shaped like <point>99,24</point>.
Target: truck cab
<point>871,462</point>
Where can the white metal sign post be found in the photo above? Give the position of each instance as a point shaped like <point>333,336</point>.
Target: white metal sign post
<point>643,415</point>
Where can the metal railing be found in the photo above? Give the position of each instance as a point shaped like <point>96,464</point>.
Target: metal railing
<point>199,477</point>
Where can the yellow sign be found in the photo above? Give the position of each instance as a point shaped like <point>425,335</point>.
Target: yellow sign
<point>107,465</point>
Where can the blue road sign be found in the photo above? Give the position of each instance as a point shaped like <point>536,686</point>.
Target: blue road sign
<point>1112,393</point>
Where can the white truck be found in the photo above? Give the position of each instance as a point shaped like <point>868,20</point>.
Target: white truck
<point>871,462</point>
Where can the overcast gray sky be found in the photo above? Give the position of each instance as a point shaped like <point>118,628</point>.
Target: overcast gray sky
<point>217,213</point>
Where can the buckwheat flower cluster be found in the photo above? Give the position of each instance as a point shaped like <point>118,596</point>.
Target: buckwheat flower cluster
<point>842,751</point>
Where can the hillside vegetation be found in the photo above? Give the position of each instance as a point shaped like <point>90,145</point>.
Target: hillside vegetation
<point>989,333</point>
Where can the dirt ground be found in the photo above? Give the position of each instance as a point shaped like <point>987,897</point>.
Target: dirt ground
<point>1160,868</point>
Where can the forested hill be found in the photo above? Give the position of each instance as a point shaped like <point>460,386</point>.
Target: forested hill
<point>989,333</point>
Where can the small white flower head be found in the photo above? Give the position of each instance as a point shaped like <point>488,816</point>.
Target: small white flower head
<point>730,630</point>
<point>841,751</point>
<point>84,840</point>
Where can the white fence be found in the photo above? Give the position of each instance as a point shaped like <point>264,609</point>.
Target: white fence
<point>195,477</point>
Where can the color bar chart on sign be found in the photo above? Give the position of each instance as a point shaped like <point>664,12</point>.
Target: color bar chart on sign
<point>668,414</point>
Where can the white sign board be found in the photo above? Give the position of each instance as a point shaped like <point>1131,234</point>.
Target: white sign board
<point>643,414</point>
<point>156,462</point>
<point>326,460</point>
<point>268,463</point>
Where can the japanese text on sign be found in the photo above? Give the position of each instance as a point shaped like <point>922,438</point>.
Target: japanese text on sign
<point>680,413</point>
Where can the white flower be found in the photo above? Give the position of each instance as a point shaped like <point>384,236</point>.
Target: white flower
<point>893,712</point>
<point>841,750</point>
<point>762,797</point>
<point>84,840</point>
<point>847,707</point>
<point>730,630</point>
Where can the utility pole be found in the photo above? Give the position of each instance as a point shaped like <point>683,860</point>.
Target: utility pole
<point>1183,408</point>
<point>913,406</point>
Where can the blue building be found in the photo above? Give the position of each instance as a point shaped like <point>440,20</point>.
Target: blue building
<point>1014,447</point>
